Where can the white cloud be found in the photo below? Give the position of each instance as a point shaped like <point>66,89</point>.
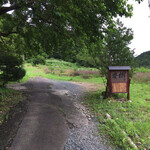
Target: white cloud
<point>140,24</point>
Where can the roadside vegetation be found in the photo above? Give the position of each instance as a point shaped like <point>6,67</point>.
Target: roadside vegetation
<point>9,98</point>
<point>125,121</point>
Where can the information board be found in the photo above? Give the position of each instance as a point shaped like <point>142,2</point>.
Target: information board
<point>118,76</point>
<point>119,80</point>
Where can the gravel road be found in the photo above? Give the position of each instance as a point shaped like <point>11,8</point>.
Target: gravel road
<point>83,132</point>
<point>78,122</point>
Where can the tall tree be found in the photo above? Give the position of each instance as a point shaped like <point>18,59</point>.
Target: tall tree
<point>114,49</point>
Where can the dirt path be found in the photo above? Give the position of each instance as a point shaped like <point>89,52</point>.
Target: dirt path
<point>56,119</point>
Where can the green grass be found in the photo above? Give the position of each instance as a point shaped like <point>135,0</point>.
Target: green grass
<point>8,99</point>
<point>142,69</point>
<point>58,69</point>
<point>133,116</point>
<point>60,64</point>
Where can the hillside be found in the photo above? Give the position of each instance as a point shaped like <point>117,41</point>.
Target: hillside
<point>143,60</point>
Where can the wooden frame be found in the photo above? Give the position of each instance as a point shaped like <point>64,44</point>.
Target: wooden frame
<point>119,81</point>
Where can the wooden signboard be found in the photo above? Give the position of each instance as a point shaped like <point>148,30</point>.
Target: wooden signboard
<point>119,88</point>
<point>119,79</point>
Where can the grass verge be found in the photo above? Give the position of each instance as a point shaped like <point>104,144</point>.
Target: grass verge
<point>131,117</point>
<point>8,98</point>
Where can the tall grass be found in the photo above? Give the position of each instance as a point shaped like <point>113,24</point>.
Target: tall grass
<point>8,99</point>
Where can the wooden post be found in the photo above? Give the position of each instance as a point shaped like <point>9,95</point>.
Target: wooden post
<point>109,84</point>
<point>128,96</point>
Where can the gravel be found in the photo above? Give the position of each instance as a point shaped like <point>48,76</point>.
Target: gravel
<point>83,131</point>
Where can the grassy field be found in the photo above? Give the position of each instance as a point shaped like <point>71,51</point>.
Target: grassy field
<point>61,70</point>
<point>127,119</point>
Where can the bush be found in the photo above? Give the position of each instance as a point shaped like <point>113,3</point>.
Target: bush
<point>85,60</point>
<point>29,60</point>
<point>10,68</point>
<point>38,60</point>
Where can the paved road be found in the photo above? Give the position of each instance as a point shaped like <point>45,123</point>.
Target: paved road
<point>56,119</point>
<point>43,127</point>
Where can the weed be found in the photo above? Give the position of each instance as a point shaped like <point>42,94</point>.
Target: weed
<point>9,98</point>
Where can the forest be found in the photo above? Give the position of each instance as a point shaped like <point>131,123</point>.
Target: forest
<point>143,60</point>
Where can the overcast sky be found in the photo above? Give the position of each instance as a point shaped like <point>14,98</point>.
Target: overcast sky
<point>140,24</point>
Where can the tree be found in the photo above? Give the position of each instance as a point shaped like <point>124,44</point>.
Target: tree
<point>47,24</point>
<point>10,68</point>
<point>114,49</point>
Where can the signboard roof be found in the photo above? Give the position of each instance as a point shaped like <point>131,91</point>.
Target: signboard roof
<point>119,68</point>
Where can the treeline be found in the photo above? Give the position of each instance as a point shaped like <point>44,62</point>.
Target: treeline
<point>143,60</point>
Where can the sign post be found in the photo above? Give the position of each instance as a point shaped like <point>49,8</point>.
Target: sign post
<point>119,81</point>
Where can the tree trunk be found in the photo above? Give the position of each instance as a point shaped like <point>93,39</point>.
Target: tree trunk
<point>107,90</point>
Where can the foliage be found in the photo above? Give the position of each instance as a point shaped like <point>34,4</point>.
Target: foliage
<point>115,50</point>
<point>38,60</point>
<point>84,59</point>
<point>143,60</point>
<point>11,68</point>
<point>56,27</point>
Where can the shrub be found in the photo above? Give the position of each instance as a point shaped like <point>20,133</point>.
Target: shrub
<point>38,60</point>
<point>85,60</point>
<point>10,68</point>
<point>29,60</point>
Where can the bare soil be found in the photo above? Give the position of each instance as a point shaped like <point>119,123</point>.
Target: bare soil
<point>90,87</point>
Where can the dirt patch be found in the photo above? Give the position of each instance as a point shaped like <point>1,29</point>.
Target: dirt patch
<point>148,100</point>
<point>141,77</point>
<point>90,87</point>
<point>46,70</point>
<point>10,126</point>
<point>86,72</point>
